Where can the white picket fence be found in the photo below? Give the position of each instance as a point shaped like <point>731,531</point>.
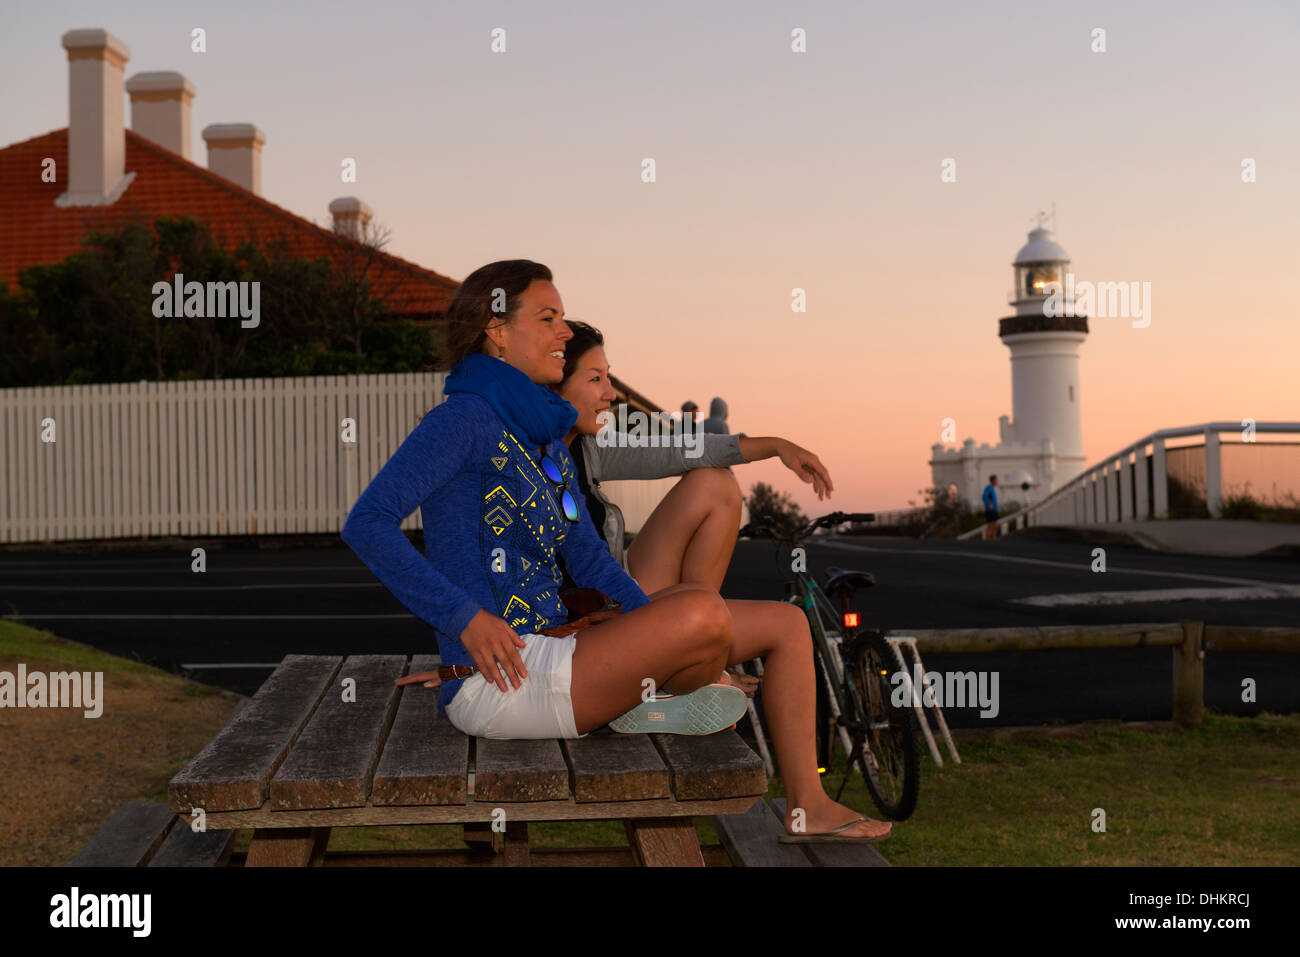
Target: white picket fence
<point>211,457</point>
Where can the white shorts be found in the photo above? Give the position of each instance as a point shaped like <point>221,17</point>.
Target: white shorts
<point>541,707</point>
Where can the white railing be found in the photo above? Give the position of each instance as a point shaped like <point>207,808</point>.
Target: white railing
<point>1115,489</point>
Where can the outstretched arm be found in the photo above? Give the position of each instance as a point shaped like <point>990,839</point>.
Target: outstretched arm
<point>797,459</point>
<point>619,459</point>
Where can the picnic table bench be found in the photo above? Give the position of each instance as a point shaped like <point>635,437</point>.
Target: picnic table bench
<point>331,742</point>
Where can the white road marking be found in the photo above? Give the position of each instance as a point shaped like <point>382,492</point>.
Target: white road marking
<point>1154,595</point>
<point>217,665</point>
<point>1075,566</point>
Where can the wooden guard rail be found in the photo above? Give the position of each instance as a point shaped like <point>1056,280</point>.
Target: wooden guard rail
<point>1189,640</point>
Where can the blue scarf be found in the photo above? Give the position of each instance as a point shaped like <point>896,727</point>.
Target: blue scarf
<point>529,410</point>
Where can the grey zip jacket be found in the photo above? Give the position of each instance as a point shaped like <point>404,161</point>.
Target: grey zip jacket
<point>618,462</point>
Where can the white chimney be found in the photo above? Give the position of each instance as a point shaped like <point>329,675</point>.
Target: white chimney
<point>160,109</point>
<point>96,172</point>
<point>235,152</point>
<point>351,218</point>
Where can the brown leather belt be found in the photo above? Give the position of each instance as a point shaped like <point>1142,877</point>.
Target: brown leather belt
<point>453,672</point>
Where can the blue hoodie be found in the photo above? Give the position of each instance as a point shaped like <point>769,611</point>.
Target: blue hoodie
<point>492,527</point>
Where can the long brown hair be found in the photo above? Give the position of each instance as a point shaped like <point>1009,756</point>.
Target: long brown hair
<point>585,337</point>
<point>470,311</point>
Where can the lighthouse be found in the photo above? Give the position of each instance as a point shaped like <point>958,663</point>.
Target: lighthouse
<point>1041,443</point>
<point>1045,401</point>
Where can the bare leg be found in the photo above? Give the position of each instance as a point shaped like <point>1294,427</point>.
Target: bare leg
<point>778,633</point>
<point>681,640</point>
<point>690,535</point>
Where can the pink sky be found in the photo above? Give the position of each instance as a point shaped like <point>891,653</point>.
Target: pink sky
<point>779,170</point>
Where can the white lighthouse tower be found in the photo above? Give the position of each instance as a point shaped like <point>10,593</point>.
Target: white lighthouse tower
<point>1041,444</point>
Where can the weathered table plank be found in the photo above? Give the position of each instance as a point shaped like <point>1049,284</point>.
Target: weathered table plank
<point>134,832</point>
<point>751,839</point>
<point>333,759</point>
<point>233,770</point>
<point>832,855</point>
<point>510,772</point>
<point>711,766</point>
<point>187,848</point>
<point>567,810</point>
<point>425,759</point>
<point>616,767</point>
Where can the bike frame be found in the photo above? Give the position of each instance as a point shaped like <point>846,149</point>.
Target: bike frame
<point>828,640</point>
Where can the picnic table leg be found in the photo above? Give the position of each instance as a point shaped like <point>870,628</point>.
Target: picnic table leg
<point>517,844</point>
<point>664,842</point>
<point>479,836</point>
<point>288,847</point>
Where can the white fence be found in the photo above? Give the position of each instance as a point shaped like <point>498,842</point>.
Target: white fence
<point>212,457</point>
<point>209,457</point>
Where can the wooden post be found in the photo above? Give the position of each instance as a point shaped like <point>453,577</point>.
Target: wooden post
<point>1189,674</point>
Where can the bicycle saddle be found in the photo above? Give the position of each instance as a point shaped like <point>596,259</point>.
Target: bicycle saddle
<point>837,578</point>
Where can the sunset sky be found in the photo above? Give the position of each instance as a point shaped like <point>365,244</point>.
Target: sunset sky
<point>777,170</point>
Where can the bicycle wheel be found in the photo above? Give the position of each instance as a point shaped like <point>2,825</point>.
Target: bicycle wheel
<point>890,761</point>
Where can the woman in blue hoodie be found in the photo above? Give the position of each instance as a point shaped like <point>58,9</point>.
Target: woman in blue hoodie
<point>496,487</point>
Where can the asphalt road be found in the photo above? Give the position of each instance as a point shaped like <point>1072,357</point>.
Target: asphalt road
<point>923,584</point>
<point>252,606</point>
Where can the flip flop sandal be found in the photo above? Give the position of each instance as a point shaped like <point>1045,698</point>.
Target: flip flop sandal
<point>833,836</point>
<point>706,710</point>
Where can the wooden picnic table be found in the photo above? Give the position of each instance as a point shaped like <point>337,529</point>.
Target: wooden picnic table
<point>331,742</point>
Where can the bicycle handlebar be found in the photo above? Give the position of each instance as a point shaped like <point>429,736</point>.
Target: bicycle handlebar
<point>762,526</point>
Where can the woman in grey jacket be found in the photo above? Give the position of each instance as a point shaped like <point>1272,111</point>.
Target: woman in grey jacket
<point>691,534</point>
<point>687,542</point>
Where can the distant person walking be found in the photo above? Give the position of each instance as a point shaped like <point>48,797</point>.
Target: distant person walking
<point>991,508</point>
<point>717,421</point>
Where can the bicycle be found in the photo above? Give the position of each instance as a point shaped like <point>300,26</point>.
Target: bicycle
<point>853,703</point>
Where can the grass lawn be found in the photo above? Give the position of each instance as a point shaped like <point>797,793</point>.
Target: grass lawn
<point>62,774</point>
<point>1227,792</point>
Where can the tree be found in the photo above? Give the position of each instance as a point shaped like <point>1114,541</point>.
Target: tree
<point>765,501</point>
<point>944,514</point>
<point>90,318</point>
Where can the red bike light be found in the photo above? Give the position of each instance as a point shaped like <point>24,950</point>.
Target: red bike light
<point>850,619</point>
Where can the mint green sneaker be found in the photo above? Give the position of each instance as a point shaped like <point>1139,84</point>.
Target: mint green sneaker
<point>706,710</point>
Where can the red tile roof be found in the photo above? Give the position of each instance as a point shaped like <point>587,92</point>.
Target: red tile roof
<point>36,231</point>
